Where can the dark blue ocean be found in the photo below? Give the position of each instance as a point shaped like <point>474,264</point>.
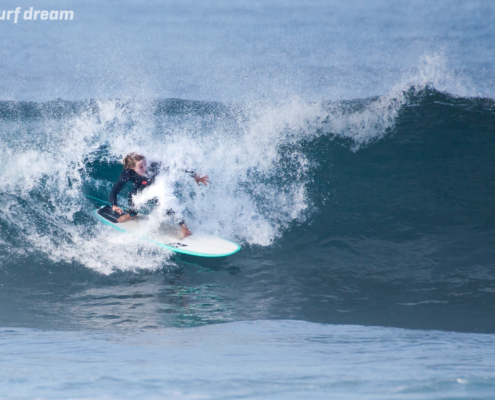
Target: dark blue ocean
<point>350,148</point>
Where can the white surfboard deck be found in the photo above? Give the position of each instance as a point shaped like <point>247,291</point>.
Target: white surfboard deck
<point>170,237</point>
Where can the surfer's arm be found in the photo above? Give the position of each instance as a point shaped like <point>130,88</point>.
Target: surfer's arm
<point>123,179</point>
<point>156,167</point>
<point>185,230</point>
<point>198,178</point>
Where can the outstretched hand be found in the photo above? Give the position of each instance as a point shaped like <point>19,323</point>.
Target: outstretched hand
<point>202,179</point>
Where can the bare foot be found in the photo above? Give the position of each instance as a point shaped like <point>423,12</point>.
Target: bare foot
<point>185,231</point>
<point>124,218</point>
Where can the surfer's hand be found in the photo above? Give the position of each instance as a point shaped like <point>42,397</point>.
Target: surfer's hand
<point>202,179</point>
<point>118,209</point>
<point>124,218</point>
<point>185,230</point>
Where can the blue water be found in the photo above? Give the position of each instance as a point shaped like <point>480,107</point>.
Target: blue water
<point>350,150</point>
<point>275,359</point>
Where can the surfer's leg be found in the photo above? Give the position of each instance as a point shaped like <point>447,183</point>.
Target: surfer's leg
<point>171,213</point>
<point>125,218</point>
<point>130,214</point>
<point>185,230</point>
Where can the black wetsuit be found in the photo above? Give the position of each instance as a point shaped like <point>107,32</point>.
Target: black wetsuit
<point>139,182</point>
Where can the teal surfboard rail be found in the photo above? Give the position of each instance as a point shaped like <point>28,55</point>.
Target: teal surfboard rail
<point>171,248</point>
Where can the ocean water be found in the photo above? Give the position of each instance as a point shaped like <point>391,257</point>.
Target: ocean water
<point>350,149</point>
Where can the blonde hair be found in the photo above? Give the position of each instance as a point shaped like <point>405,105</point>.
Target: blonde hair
<point>131,159</point>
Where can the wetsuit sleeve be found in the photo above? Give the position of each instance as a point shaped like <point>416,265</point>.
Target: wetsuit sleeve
<point>187,171</point>
<point>156,167</point>
<point>123,179</point>
<point>192,173</point>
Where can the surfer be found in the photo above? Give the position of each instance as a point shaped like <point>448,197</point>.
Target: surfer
<point>136,170</point>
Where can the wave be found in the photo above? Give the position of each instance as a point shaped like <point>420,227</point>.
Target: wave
<point>275,168</point>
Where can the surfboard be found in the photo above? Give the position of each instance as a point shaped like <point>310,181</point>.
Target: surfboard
<point>168,236</point>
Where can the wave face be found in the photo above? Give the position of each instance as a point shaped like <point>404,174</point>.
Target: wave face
<point>373,211</point>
